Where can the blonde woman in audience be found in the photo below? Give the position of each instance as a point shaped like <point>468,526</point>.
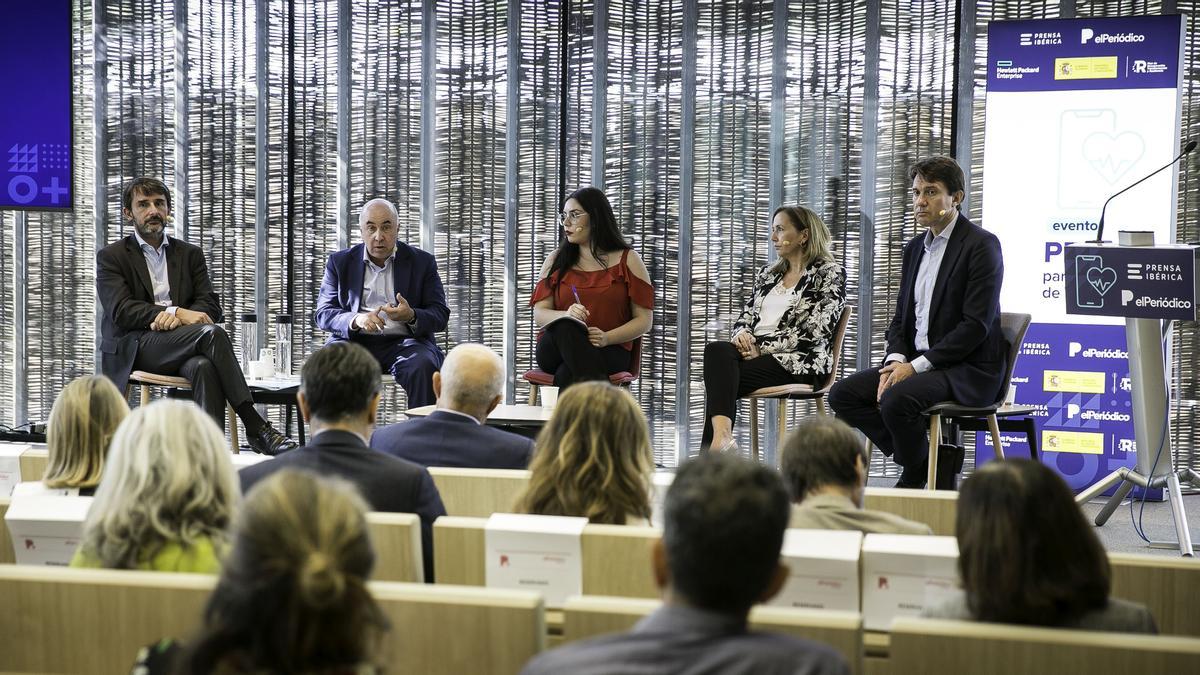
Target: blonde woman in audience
<point>293,594</point>
<point>167,495</point>
<point>82,422</point>
<point>1026,555</point>
<point>592,459</point>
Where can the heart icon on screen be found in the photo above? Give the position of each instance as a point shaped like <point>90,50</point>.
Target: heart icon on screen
<point>1102,278</point>
<point>1113,155</point>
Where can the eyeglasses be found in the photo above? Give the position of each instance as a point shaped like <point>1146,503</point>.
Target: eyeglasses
<point>572,216</point>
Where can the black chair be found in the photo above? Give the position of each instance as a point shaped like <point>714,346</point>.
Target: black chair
<point>1013,326</point>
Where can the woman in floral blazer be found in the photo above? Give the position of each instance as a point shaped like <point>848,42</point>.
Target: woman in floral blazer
<point>785,332</point>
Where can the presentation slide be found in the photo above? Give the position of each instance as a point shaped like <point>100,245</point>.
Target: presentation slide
<point>1077,109</point>
<point>35,119</point>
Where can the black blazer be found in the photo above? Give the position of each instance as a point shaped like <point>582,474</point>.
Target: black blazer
<point>387,483</point>
<point>126,294</point>
<point>446,439</point>
<point>964,318</point>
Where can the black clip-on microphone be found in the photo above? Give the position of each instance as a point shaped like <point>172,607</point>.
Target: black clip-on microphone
<point>1100,229</point>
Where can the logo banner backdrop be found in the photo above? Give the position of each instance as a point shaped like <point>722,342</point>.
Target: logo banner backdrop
<point>1077,109</point>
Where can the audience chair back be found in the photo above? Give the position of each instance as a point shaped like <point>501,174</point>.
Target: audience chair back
<point>7,555</point>
<point>616,558</point>
<point>588,616</point>
<point>396,538</point>
<point>146,379</point>
<point>1013,326</point>
<point>798,392</point>
<point>1165,584</point>
<point>478,493</point>
<point>936,646</point>
<point>60,620</point>
<point>540,378</point>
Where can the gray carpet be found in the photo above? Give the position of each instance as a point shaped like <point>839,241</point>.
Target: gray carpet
<point>1118,534</point>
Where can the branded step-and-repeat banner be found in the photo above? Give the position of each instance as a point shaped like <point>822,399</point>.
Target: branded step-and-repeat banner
<point>1077,109</point>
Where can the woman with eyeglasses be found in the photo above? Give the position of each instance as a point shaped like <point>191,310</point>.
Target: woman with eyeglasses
<point>593,297</point>
<point>785,332</point>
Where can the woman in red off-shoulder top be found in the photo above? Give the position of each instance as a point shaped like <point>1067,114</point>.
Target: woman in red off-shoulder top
<point>593,298</point>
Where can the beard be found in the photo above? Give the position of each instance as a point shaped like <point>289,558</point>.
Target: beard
<point>152,227</point>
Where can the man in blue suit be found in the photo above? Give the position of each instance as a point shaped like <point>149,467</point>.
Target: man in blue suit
<point>944,342</point>
<point>468,388</point>
<point>386,296</point>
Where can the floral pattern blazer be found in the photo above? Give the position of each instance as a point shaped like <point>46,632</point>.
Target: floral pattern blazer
<point>802,342</point>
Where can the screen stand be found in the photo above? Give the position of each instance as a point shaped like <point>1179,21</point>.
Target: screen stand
<point>1151,427</point>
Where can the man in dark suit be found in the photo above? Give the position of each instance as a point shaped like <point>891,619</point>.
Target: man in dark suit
<point>339,397</point>
<point>388,297</point>
<point>723,526</point>
<point>161,315</point>
<point>944,342</point>
<point>467,388</point>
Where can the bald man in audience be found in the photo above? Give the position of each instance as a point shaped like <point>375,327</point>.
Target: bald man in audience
<point>825,465</point>
<point>718,556</point>
<point>456,434</point>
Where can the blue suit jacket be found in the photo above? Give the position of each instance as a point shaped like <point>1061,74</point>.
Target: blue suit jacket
<point>415,277</point>
<point>964,317</point>
<point>447,439</point>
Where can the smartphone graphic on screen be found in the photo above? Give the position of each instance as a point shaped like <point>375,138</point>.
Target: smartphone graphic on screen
<point>1086,294</point>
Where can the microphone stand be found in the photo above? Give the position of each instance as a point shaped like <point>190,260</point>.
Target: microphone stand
<point>1100,229</point>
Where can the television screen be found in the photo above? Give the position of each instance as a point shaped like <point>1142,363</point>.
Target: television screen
<point>35,105</point>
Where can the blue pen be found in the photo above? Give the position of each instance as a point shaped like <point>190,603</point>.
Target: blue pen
<point>576,294</point>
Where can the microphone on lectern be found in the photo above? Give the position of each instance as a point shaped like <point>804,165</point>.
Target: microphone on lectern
<point>1100,228</point>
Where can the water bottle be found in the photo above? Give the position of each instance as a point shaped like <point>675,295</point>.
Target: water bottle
<point>283,344</point>
<point>248,328</point>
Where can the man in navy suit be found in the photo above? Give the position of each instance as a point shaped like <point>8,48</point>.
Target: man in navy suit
<point>467,388</point>
<point>339,398</point>
<point>944,342</point>
<point>386,296</point>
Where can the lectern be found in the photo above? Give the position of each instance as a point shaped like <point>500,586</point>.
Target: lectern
<point>1146,285</point>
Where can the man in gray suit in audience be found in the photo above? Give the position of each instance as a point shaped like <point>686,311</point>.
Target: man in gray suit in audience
<point>719,555</point>
<point>456,434</point>
<point>825,465</point>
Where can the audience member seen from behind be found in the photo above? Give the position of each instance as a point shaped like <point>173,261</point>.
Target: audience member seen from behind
<point>592,459</point>
<point>1026,555</point>
<point>593,297</point>
<point>292,597</point>
<point>167,496</point>
<point>785,332</point>
<point>83,420</point>
<point>718,556</point>
<point>825,466</point>
<point>339,398</point>
<point>468,388</point>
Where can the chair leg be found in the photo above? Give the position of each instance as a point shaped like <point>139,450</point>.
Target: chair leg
<point>935,437</point>
<point>782,420</point>
<point>145,395</point>
<point>821,410</point>
<point>533,394</point>
<point>754,427</point>
<point>997,445</point>
<point>233,430</point>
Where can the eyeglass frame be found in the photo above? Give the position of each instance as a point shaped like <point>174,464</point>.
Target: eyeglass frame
<point>573,216</point>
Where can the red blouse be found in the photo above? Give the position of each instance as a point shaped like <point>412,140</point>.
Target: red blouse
<point>606,294</point>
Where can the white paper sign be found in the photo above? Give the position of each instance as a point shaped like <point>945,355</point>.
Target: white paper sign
<point>540,553</point>
<point>46,529</point>
<point>823,569</point>
<point>10,466</point>
<point>904,574</point>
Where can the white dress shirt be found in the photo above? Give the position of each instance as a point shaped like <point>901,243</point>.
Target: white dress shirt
<point>927,272</point>
<point>379,289</point>
<point>156,261</point>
